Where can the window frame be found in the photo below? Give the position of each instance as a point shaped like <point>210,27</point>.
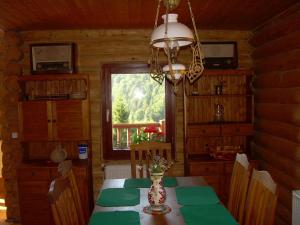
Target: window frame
<point>127,68</point>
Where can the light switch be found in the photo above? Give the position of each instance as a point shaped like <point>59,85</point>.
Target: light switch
<point>14,135</point>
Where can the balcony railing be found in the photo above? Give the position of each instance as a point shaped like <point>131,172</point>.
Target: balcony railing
<point>124,132</point>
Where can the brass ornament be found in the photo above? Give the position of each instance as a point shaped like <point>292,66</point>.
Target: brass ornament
<point>156,71</point>
<point>171,4</point>
<point>196,67</point>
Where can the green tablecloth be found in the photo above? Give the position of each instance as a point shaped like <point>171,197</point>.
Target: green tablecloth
<point>119,197</point>
<point>196,195</point>
<point>115,218</point>
<point>215,214</point>
<point>146,182</point>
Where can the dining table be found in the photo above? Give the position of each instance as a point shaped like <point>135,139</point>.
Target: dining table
<point>174,217</point>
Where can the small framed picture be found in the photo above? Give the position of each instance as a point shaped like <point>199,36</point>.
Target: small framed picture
<point>52,58</point>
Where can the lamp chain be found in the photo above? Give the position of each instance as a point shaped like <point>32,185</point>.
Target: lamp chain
<point>155,69</point>
<point>196,68</point>
<point>193,20</point>
<point>157,13</point>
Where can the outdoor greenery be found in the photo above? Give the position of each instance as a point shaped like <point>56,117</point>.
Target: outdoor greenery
<point>136,98</point>
<point>139,97</point>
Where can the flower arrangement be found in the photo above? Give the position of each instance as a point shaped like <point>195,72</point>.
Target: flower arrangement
<point>159,165</point>
<point>150,133</point>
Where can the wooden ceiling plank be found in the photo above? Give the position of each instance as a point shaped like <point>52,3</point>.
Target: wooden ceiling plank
<point>123,14</point>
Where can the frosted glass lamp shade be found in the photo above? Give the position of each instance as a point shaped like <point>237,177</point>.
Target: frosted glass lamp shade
<point>178,70</point>
<point>176,32</point>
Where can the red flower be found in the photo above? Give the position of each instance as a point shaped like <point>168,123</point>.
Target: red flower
<point>151,129</point>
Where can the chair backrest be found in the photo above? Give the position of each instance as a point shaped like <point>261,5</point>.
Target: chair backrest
<point>261,200</point>
<point>62,202</point>
<point>238,187</point>
<point>65,168</point>
<point>141,155</point>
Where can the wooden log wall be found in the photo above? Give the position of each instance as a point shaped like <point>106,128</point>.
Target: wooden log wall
<point>96,47</point>
<point>10,69</point>
<point>277,104</point>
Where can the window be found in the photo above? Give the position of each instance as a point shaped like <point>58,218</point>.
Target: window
<point>131,101</point>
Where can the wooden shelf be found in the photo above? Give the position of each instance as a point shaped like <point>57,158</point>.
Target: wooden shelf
<point>220,123</point>
<point>46,87</point>
<point>233,72</point>
<point>46,77</point>
<point>220,96</point>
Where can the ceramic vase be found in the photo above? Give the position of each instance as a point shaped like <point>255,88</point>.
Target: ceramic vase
<point>157,193</point>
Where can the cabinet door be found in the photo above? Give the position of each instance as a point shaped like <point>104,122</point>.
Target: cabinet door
<point>70,120</point>
<point>35,117</point>
<point>33,186</point>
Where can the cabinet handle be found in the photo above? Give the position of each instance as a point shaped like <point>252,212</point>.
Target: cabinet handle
<point>49,121</point>
<point>54,121</point>
<point>33,174</point>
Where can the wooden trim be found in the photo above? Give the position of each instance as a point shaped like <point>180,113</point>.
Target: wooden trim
<point>106,104</point>
<point>21,129</point>
<point>51,115</point>
<point>85,119</point>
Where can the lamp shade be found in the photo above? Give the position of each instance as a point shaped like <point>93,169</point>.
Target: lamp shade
<point>178,70</point>
<point>176,33</point>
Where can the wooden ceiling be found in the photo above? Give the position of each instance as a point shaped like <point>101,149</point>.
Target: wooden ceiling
<point>122,14</point>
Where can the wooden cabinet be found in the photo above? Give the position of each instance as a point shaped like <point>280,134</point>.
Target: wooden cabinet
<point>53,111</point>
<point>54,120</point>
<point>54,108</point>
<point>216,173</point>
<point>33,185</point>
<point>218,118</point>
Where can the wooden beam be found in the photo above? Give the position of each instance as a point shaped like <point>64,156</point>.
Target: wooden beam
<point>286,23</point>
<point>278,95</point>
<point>278,129</point>
<point>289,113</point>
<point>282,62</point>
<point>276,79</point>
<point>278,145</point>
<point>283,44</point>
<point>280,176</point>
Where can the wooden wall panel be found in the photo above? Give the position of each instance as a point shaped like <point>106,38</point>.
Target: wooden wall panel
<point>277,104</point>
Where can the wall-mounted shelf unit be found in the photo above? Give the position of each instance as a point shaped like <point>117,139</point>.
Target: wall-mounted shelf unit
<point>218,123</point>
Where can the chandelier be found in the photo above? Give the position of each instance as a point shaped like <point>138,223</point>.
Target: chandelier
<point>170,37</point>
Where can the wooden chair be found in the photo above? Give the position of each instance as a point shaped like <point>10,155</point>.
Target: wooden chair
<point>261,200</point>
<point>62,202</point>
<point>238,187</point>
<point>65,168</point>
<point>141,155</point>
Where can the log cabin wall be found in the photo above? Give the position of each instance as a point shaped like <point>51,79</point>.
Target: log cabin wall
<point>277,104</point>
<point>10,69</point>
